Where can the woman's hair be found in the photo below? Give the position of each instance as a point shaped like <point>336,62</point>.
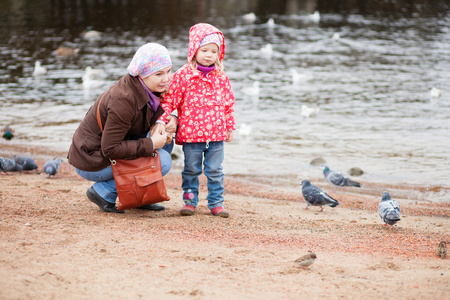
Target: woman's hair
<point>219,65</point>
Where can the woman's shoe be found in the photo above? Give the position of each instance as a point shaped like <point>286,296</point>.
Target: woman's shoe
<point>154,206</point>
<point>102,203</point>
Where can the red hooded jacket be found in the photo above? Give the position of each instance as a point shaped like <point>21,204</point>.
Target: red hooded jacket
<point>205,104</point>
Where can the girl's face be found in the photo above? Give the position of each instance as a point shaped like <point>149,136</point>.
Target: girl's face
<point>158,81</point>
<point>207,55</point>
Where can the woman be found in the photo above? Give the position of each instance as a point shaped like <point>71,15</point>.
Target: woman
<point>129,110</point>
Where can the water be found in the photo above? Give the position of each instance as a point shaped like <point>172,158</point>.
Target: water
<point>372,85</point>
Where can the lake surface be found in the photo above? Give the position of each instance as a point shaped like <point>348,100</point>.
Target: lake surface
<point>372,84</point>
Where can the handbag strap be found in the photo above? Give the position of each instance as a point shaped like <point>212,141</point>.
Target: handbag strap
<point>99,121</point>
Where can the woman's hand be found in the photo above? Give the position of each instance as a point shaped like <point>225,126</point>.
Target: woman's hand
<point>159,140</point>
<point>171,127</point>
<point>158,127</point>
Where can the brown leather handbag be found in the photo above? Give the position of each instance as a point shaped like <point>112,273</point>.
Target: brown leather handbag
<point>138,181</point>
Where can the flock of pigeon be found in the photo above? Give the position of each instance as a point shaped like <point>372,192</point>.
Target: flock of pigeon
<point>388,209</point>
<point>23,163</point>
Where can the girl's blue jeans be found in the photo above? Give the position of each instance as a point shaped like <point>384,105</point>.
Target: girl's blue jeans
<point>211,155</point>
<point>105,186</point>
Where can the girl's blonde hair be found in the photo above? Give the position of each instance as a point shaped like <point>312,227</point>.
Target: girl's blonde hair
<point>218,64</point>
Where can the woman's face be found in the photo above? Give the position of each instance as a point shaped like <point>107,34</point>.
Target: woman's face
<point>158,81</point>
<point>207,55</point>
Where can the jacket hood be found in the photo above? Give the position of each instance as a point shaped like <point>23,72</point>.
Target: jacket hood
<point>196,35</point>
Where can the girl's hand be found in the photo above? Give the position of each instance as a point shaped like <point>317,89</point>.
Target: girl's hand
<point>159,128</point>
<point>229,136</point>
<point>171,127</point>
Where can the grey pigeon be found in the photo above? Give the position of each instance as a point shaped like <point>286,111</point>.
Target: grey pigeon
<point>8,165</point>
<point>26,162</point>
<point>51,167</point>
<point>389,210</point>
<point>316,197</point>
<point>336,178</point>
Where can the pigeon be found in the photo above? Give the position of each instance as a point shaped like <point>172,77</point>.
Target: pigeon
<point>306,260</point>
<point>442,249</point>
<point>8,165</point>
<point>336,178</point>
<point>51,167</point>
<point>26,162</point>
<point>7,132</point>
<point>389,210</point>
<point>316,197</point>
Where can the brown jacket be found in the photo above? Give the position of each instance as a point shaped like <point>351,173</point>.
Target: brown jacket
<point>125,117</point>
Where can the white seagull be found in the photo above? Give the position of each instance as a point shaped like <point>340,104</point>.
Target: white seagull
<point>266,51</point>
<point>315,17</point>
<point>38,69</point>
<point>249,18</point>
<point>309,112</point>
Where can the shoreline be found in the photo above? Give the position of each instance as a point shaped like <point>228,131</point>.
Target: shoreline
<point>290,187</point>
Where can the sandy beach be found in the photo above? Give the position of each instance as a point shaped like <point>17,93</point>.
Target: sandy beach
<point>56,244</point>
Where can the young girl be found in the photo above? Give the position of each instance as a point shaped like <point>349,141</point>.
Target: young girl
<point>202,95</point>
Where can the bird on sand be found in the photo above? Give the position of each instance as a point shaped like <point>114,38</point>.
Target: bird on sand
<point>7,132</point>
<point>306,260</point>
<point>26,162</point>
<point>389,209</point>
<point>314,196</point>
<point>39,70</point>
<point>51,167</point>
<point>8,165</point>
<point>337,179</point>
<point>442,249</point>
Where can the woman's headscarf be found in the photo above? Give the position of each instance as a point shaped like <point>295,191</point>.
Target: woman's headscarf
<point>148,59</point>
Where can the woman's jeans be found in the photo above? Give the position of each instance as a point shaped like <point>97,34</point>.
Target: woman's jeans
<point>211,154</point>
<point>105,186</point>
